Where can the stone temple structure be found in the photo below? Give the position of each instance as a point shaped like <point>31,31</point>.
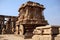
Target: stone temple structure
<point>30,23</point>
<point>30,17</point>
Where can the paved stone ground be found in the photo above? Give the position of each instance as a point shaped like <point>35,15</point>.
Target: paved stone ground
<point>12,37</point>
<point>27,39</point>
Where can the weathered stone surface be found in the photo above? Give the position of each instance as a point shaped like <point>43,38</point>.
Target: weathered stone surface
<point>16,32</point>
<point>36,37</point>
<point>47,32</point>
<point>57,37</point>
<point>7,24</point>
<point>21,30</point>
<point>31,19</point>
<point>42,37</point>
<point>48,29</point>
<point>37,31</point>
<point>27,16</point>
<point>11,37</point>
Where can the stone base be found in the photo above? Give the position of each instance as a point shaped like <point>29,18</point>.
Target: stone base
<point>57,37</point>
<point>42,37</point>
<point>28,35</point>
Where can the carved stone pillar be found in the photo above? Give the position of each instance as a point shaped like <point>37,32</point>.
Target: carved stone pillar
<point>16,32</point>
<point>21,30</point>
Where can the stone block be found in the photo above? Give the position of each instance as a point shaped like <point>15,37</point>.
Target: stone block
<point>42,37</point>
<point>36,37</point>
<point>57,37</point>
<point>48,29</point>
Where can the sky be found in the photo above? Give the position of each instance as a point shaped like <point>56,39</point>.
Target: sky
<point>51,12</point>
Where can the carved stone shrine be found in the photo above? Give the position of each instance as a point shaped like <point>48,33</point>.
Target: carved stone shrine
<point>30,17</point>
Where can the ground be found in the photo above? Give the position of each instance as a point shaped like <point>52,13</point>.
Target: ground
<point>12,37</point>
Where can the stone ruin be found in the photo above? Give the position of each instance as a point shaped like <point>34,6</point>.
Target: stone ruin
<point>30,17</point>
<point>30,23</point>
<point>7,24</point>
